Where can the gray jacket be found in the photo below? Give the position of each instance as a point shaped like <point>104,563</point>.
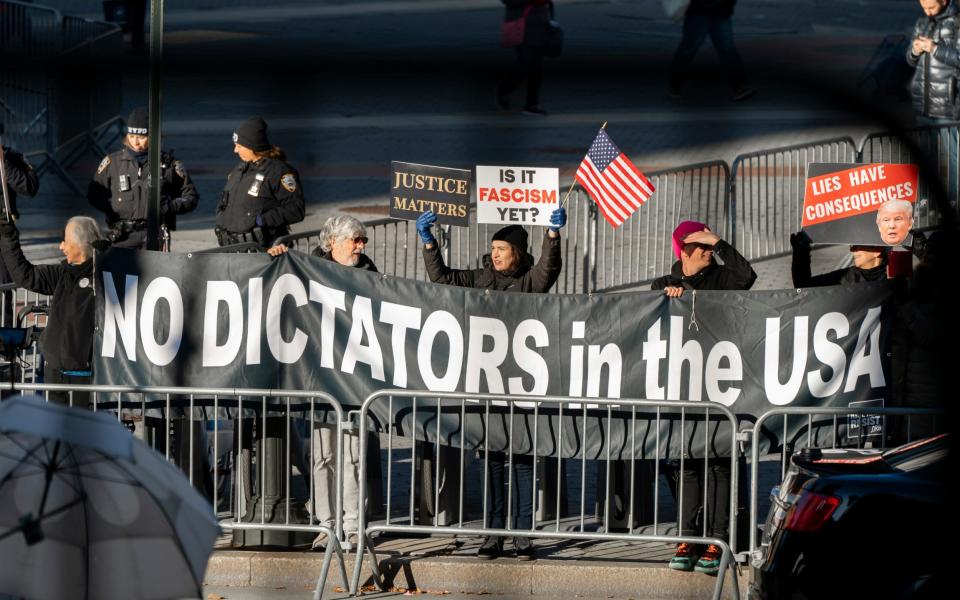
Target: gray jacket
<point>934,85</point>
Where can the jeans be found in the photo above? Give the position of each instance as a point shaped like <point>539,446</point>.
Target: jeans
<point>521,491</point>
<point>690,503</point>
<point>696,28</point>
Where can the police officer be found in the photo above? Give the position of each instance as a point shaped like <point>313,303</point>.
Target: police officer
<point>121,188</point>
<point>263,195</point>
<point>21,179</point>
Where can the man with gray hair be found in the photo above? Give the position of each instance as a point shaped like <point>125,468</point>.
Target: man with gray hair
<point>67,340</point>
<point>895,220</point>
<point>342,240</point>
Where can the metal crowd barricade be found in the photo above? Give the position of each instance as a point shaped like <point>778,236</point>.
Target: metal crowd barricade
<point>402,408</point>
<point>825,432</point>
<point>940,145</point>
<point>22,308</point>
<point>767,190</point>
<point>137,406</point>
<point>640,249</point>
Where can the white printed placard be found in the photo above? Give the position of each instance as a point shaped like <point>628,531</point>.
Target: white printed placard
<point>517,195</point>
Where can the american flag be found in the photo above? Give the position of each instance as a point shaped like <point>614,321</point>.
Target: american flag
<point>615,184</point>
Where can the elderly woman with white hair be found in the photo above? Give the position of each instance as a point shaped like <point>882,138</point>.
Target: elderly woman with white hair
<point>67,340</point>
<point>342,240</point>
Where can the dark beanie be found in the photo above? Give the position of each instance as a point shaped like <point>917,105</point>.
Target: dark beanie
<point>252,134</point>
<point>138,122</point>
<point>515,235</point>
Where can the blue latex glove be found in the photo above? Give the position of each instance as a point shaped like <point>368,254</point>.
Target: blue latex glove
<point>259,220</point>
<point>424,224</point>
<point>558,219</point>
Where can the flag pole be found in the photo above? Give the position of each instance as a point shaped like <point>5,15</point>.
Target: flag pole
<point>567,196</point>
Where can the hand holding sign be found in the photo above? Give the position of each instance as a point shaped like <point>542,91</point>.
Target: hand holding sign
<point>424,225</point>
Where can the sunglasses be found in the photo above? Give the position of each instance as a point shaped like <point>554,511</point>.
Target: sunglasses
<point>362,239</point>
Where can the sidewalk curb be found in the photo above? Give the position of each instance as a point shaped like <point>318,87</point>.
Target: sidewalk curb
<point>566,579</point>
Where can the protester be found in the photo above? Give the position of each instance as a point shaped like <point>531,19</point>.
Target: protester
<point>529,63</point>
<point>713,18</point>
<point>869,264</point>
<point>121,190</point>
<point>21,179</point>
<point>894,221</point>
<point>263,195</point>
<point>67,340</point>
<point>508,267</point>
<point>695,246</point>
<point>342,240</point>
<point>934,53</point>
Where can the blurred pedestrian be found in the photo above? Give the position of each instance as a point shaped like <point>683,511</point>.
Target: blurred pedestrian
<point>67,340</point>
<point>121,187</point>
<point>21,179</point>
<point>695,246</point>
<point>713,18</point>
<point>934,53</point>
<point>508,267</point>
<point>530,53</point>
<point>263,195</point>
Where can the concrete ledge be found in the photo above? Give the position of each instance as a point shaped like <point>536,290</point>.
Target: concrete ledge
<point>544,577</point>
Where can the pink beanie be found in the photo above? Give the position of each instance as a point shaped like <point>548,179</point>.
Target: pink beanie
<point>684,229</point>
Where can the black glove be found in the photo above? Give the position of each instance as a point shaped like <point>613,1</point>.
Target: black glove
<point>800,241</point>
<point>919,244</point>
<point>7,229</point>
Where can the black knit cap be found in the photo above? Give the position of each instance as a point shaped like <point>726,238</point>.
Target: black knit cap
<point>515,235</point>
<point>138,123</point>
<point>252,134</point>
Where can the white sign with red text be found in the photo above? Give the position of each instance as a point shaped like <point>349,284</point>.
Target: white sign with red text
<point>517,195</point>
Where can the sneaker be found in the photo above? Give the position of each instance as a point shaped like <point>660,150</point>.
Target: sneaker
<point>684,558</point>
<point>709,563</point>
<point>524,548</point>
<point>743,93</point>
<point>534,111</point>
<point>492,547</point>
<point>319,542</point>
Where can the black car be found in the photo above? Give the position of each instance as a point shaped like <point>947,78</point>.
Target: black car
<point>859,524</point>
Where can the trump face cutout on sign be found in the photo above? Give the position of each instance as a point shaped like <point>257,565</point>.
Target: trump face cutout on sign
<point>895,220</point>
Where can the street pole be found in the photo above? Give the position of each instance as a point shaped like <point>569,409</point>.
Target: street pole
<point>156,59</point>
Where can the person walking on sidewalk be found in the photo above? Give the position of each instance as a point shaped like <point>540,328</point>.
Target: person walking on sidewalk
<point>713,18</point>
<point>695,246</point>
<point>508,267</point>
<point>530,53</point>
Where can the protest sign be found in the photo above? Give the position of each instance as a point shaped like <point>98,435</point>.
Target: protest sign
<point>298,322</point>
<point>860,204</point>
<point>517,195</point>
<point>415,189</point>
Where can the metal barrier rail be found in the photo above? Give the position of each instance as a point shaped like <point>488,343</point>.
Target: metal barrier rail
<point>941,144</point>
<point>182,409</point>
<point>767,189</point>
<point>625,408</point>
<point>641,249</point>
<point>14,301</point>
<point>810,413</point>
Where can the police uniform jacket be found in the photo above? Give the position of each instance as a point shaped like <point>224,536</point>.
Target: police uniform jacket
<point>21,178</point>
<point>121,188</point>
<point>734,274</point>
<point>934,84</point>
<point>67,340</point>
<point>269,188</point>
<point>525,277</point>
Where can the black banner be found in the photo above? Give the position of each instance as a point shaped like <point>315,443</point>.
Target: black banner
<point>296,322</point>
<point>415,189</point>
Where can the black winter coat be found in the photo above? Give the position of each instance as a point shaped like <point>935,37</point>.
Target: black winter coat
<point>711,8</point>
<point>21,178</point>
<point>734,274</point>
<point>67,340</point>
<point>268,187</point>
<point>934,84</point>
<point>365,263</point>
<point>537,32</point>
<point>525,277</point>
<point>802,277</point>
